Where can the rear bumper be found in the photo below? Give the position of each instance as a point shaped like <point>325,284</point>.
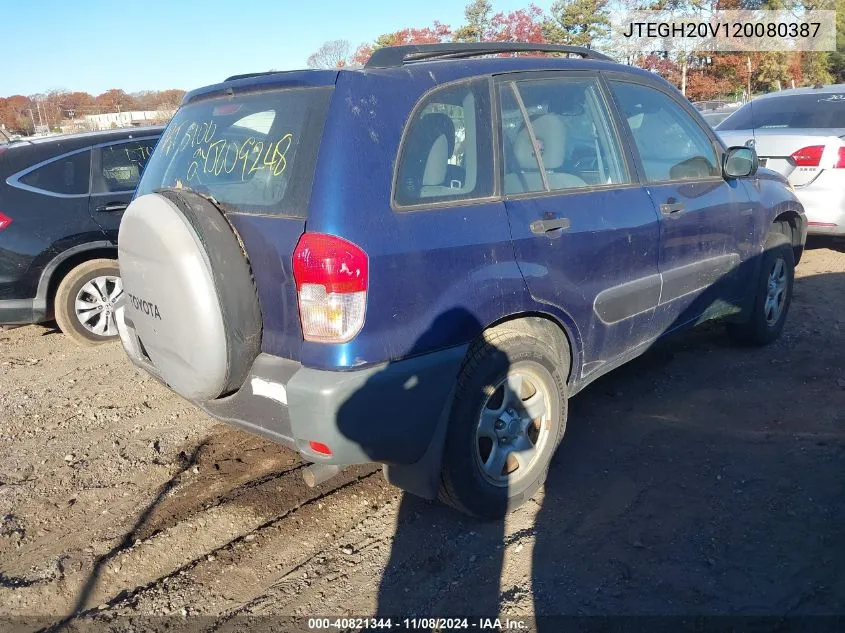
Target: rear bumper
<point>824,203</point>
<point>386,414</point>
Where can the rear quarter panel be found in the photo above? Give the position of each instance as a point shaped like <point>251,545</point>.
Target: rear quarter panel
<point>42,228</point>
<point>438,277</point>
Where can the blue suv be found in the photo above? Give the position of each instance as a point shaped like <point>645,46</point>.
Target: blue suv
<point>419,262</point>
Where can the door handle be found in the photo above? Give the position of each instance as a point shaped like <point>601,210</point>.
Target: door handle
<point>672,208</point>
<point>552,227</point>
<point>112,207</point>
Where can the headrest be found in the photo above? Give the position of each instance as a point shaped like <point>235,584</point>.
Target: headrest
<point>437,163</point>
<point>427,151</point>
<point>550,131</point>
<point>433,125</point>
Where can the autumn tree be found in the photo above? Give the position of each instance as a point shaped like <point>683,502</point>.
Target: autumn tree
<point>577,22</point>
<point>523,25</point>
<point>477,14</point>
<point>434,34</point>
<point>332,54</point>
<point>115,100</point>
<point>15,114</point>
<point>837,58</point>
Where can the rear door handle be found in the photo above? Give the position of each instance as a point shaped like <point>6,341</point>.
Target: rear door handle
<point>112,207</point>
<point>552,228</point>
<point>672,208</point>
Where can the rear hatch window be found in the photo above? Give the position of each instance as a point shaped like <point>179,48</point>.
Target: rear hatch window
<point>251,153</point>
<point>806,111</point>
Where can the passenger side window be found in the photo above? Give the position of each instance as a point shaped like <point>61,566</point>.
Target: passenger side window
<point>672,146</point>
<point>568,141</point>
<point>69,175</point>
<point>121,165</point>
<point>447,152</point>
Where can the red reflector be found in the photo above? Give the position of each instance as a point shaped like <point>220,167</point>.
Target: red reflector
<point>5,221</point>
<point>329,261</point>
<point>840,161</point>
<point>809,156</point>
<point>319,447</point>
<point>822,224</point>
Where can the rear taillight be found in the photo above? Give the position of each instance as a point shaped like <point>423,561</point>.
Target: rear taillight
<point>840,159</point>
<point>5,221</point>
<point>809,156</point>
<point>331,277</point>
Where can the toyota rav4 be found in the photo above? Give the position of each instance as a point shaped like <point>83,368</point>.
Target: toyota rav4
<point>418,262</point>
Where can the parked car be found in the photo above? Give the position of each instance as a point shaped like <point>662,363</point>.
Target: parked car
<point>714,117</point>
<point>418,263</point>
<point>800,133</point>
<point>61,200</point>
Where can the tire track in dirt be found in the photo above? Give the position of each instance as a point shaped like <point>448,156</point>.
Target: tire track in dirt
<point>137,560</point>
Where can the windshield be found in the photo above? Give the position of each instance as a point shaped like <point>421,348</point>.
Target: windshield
<point>253,153</point>
<point>817,110</point>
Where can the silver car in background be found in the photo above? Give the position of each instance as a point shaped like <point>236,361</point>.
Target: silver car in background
<point>801,134</point>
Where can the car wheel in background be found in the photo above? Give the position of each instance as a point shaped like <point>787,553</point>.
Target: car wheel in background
<point>85,302</point>
<point>773,294</point>
<point>508,416</point>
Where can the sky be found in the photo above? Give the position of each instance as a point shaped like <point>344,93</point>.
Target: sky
<point>95,45</point>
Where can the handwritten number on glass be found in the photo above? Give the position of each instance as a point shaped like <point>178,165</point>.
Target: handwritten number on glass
<point>214,157</point>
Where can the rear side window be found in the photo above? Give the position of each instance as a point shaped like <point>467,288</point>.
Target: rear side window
<point>568,130</point>
<point>67,175</point>
<point>671,145</point>
<point>121,166</point>
<point>819,110</point>
<point>253,153</point>
<point>447,154</point>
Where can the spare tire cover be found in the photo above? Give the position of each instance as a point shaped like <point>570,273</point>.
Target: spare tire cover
<point>189,293</point>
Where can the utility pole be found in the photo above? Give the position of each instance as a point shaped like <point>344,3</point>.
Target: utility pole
<point>748,65</point>
<point>38,107</point>
<point>33,120</point>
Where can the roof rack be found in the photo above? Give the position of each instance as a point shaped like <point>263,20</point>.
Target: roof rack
<point>395,56</point>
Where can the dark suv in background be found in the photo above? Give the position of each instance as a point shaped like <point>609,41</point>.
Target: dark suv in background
<point>419,262</point>
<point>61,200</point>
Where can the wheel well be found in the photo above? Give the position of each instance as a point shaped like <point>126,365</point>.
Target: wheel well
<point>68,265</point>
<point>544,326</point>
<point>793,220</point>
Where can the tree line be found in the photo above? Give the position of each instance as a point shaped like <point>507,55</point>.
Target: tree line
<point>20,114</point>
<point>700,76</point>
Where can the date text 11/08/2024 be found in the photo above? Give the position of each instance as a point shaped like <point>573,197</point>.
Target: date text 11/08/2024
<point>441,624</point>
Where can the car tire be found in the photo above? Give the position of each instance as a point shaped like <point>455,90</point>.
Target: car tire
<point>487,383</point>
<point>772,295</point>
<point>96,283</point>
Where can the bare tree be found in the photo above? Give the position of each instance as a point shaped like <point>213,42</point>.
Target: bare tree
<point>332,54</point>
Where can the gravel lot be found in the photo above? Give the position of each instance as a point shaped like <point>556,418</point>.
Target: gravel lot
<point>699,479</point>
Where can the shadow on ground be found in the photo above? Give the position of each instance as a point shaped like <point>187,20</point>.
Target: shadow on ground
<point>698,479</point>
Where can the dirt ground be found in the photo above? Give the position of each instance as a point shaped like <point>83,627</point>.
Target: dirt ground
<point>698,479</point>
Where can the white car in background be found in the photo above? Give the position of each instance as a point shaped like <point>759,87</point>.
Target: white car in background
<point>801,134</point>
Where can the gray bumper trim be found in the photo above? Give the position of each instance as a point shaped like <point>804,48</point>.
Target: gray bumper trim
<point>387,413</point>
<point>22,311</point>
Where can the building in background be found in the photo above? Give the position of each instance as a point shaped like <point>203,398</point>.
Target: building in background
<point>114,120</point>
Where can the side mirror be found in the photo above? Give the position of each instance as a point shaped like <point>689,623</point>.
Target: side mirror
<point>740,162</point>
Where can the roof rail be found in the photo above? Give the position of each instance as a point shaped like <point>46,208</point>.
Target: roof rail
<point>395,56</point>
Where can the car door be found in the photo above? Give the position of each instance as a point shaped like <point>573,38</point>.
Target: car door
<point>585,232</point>
<point>116,170</point>
<point>705,220</point>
